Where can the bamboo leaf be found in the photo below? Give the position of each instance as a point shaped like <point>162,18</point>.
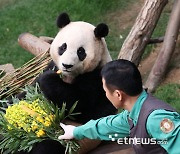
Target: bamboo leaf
<point>73,107</point>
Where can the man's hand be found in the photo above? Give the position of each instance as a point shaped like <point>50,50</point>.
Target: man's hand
<point>68,129</point>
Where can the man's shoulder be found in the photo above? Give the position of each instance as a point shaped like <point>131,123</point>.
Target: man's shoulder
<point>162,121</point>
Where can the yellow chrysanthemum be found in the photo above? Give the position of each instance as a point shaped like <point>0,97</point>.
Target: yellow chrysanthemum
<point>40,133</point>
<point>47,123</point>
<point>28,116</point>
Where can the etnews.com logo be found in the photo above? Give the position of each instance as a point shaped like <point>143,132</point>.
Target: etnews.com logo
<point>135,140</point>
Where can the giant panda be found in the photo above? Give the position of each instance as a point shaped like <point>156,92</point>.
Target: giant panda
<point>79,50</point>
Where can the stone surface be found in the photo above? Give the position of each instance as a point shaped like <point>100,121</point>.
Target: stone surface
<point>7,68</point>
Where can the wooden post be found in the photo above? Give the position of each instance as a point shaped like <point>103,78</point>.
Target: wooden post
<point>139,36</point>
<point>161,63</point>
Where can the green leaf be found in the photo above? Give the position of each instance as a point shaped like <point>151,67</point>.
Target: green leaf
<point>61,113</point>
<point>73,107</point>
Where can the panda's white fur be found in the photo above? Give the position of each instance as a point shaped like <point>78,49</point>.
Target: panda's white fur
<point>75,35</point>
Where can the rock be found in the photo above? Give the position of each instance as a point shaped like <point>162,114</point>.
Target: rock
<point>7,68</point>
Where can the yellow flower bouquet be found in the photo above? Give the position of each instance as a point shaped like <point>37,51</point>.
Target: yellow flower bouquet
<point>34,119</point>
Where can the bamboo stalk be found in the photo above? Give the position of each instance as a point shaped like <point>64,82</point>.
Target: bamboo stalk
<point>12,83</point>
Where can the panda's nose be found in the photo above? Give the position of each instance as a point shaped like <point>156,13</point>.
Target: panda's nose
<point>67,66</point>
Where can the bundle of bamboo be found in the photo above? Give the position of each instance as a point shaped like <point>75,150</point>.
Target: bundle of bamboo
<point>12,83</point>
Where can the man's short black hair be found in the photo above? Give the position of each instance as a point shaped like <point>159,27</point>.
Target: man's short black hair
<point>123,75</point>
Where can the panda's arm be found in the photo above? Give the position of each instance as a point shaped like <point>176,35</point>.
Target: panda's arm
<point>56,90</point>
<point>51,66</point>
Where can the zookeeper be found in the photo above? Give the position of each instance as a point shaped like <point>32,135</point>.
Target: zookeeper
<point>152,125</point>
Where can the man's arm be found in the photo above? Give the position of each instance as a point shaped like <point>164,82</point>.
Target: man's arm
<point>100,128</point>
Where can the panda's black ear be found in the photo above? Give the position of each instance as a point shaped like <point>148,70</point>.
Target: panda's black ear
<point>63,20</point>
<point>101,30</point>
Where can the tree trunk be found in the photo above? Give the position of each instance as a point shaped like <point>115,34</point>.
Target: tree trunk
<point>140,34</point>
<point>167,49</point>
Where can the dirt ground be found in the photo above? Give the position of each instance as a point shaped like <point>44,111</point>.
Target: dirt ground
<point>173,71</point>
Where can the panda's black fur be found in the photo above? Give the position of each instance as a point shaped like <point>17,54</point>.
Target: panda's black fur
<point>86,88</point>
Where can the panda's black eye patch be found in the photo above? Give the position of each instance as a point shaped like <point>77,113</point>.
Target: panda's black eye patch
<point>81,53</point>
<point>62,49</point>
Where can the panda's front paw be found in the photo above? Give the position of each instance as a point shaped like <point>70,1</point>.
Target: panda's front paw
<point>48,77</point>
<point>49,82</point>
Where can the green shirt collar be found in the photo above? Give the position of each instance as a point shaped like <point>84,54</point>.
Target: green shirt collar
<point>134,114</point>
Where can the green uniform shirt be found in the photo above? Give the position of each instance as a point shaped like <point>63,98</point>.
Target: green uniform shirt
<point>105,127</point>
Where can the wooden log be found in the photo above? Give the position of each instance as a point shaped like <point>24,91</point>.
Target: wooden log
<point>135,43</point>
<point>162,61</point>
<point>47,39</point>
<point>33,44</point>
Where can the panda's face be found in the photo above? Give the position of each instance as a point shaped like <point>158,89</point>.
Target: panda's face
<point>75,50</point>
